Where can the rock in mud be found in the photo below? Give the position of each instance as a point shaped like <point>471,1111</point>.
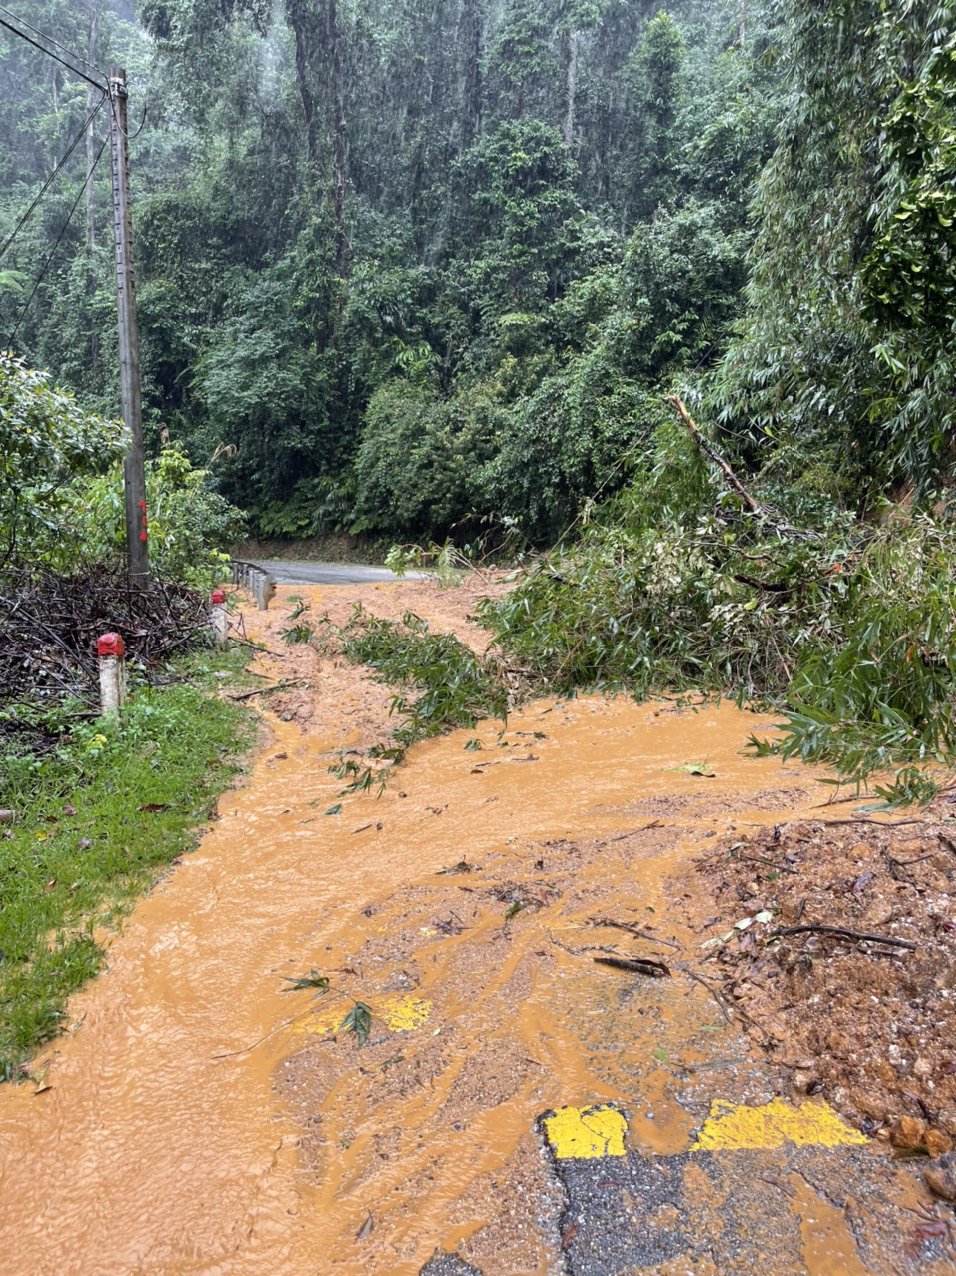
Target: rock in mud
<point>941,1176</point>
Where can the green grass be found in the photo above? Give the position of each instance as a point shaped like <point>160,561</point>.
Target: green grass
<point>95,824</point>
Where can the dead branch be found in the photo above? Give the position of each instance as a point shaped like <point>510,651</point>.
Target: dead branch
<point>843,933</point>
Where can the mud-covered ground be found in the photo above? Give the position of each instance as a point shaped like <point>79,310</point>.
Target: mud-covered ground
<point>868,1023</point>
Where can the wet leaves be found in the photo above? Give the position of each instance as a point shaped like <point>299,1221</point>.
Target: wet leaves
<point>699,769</point>
<point>312,980</point>
<point>359,1021</point>
<point>516,907</point>
<point>366,1229</point>
<point>334,810</point>
<point>461,867</point>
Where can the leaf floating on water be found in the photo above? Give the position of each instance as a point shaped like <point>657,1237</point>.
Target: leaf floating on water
<point>312,980</point>
<point>639,965</point>
<point>473,746</point>
<point>334,810</point>
<point>359,1021</point>
<point>366,1229</point>
<point>461,867</point>
<point>696,768</point>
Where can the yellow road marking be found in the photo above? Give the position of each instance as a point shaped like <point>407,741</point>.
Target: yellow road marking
<point>732,1126</point>
<point>586,1132</point>
<point>400,1013</point>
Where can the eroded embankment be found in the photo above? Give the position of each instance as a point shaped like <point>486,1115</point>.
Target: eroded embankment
<point>169,1141</point>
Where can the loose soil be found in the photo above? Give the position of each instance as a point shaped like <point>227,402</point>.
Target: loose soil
<point>869,1025</point>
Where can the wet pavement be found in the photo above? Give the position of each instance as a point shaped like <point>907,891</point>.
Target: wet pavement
<point>307,573</point>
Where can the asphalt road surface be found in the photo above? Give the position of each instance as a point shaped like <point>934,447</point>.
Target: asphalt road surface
<point>286,573</point>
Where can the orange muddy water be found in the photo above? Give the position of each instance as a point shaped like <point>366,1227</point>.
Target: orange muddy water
<point>199,1119</point>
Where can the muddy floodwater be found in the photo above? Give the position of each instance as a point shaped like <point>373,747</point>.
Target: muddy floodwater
<point>200,1119</point>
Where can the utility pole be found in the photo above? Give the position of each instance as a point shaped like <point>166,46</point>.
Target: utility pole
<point>137,552</point>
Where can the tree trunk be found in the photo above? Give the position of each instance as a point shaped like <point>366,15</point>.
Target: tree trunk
<point>471,85</point>
<point>296,18</point>
<point>572,86</point>
<point>340,152</point>
<point>742,22</point>
<point>91,140</point>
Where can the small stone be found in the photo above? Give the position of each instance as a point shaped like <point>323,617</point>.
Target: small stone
<point>923,1068</point>
<point>938,1143</point>
<point>909,1132</point>
<point>941,1176</point>
<point>802,1079</point>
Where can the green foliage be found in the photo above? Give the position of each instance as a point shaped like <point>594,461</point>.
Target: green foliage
<point>454,686</point>
<point>79,854</point>
<point>676,585</point>
<point>420,462</point>
<point>46,440</point>
<point>845,352</point>
<point>359,1021</point>
<point>190,524</point>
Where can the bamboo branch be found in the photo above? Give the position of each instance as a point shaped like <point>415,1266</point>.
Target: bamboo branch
<point>750,502</point>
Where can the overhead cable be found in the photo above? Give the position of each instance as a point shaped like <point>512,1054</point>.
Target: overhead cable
<point>52,252</point>
<point>54,175</point>
<point>49,52</point>
<point>49,39</point>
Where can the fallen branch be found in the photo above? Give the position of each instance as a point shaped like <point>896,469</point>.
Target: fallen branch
<point>846,934</point>
<point>632,930</point>
<point>638,965</point>
<point>265,691</point>
<point>750,502</point>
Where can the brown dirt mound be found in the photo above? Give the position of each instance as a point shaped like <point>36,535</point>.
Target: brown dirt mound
<point>870,1024</point>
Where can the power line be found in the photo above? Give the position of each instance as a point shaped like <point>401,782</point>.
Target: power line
<point>49,39</point>
<point>50,54</point>
<point>54,175</point>
<point>52,252</point>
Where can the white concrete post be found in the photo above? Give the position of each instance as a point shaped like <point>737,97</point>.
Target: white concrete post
<point>112,654</point>
<point>218,619</point>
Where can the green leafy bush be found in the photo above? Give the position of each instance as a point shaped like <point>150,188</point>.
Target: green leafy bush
<point>849,628</point>
<point>46,440</point>
<point>190,524</point>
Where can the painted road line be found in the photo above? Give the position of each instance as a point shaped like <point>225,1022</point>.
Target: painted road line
<point>733,1127</point>
<point>585,1133</point>
<point>401,1013</point>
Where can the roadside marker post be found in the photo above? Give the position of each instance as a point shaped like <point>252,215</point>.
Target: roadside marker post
<point>112,656</point>
<point>218,619</point>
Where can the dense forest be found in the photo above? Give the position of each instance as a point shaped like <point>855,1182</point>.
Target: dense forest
<point>470,271</point>
<point>415,269</point>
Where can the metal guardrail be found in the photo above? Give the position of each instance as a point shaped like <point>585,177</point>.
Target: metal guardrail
<point>259,582</point>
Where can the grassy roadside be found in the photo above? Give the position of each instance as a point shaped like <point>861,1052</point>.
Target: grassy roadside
<point>94,824</point>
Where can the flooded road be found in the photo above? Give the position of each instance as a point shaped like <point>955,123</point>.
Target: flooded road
<point>199,1119</point>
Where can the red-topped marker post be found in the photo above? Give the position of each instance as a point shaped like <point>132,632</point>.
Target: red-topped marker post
<point>218,619</point>
<point>112,654</point>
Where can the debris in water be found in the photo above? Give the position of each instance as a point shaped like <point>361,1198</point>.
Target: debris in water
<point>639,965</point>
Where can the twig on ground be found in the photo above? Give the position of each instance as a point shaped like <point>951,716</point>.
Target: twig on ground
<point>846,934</point>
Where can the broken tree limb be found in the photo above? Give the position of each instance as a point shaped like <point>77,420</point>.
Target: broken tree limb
<point>755,507</point>
<point>637,965</point>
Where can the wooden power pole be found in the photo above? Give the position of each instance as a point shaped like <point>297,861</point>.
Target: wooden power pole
<point>137,551</point>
